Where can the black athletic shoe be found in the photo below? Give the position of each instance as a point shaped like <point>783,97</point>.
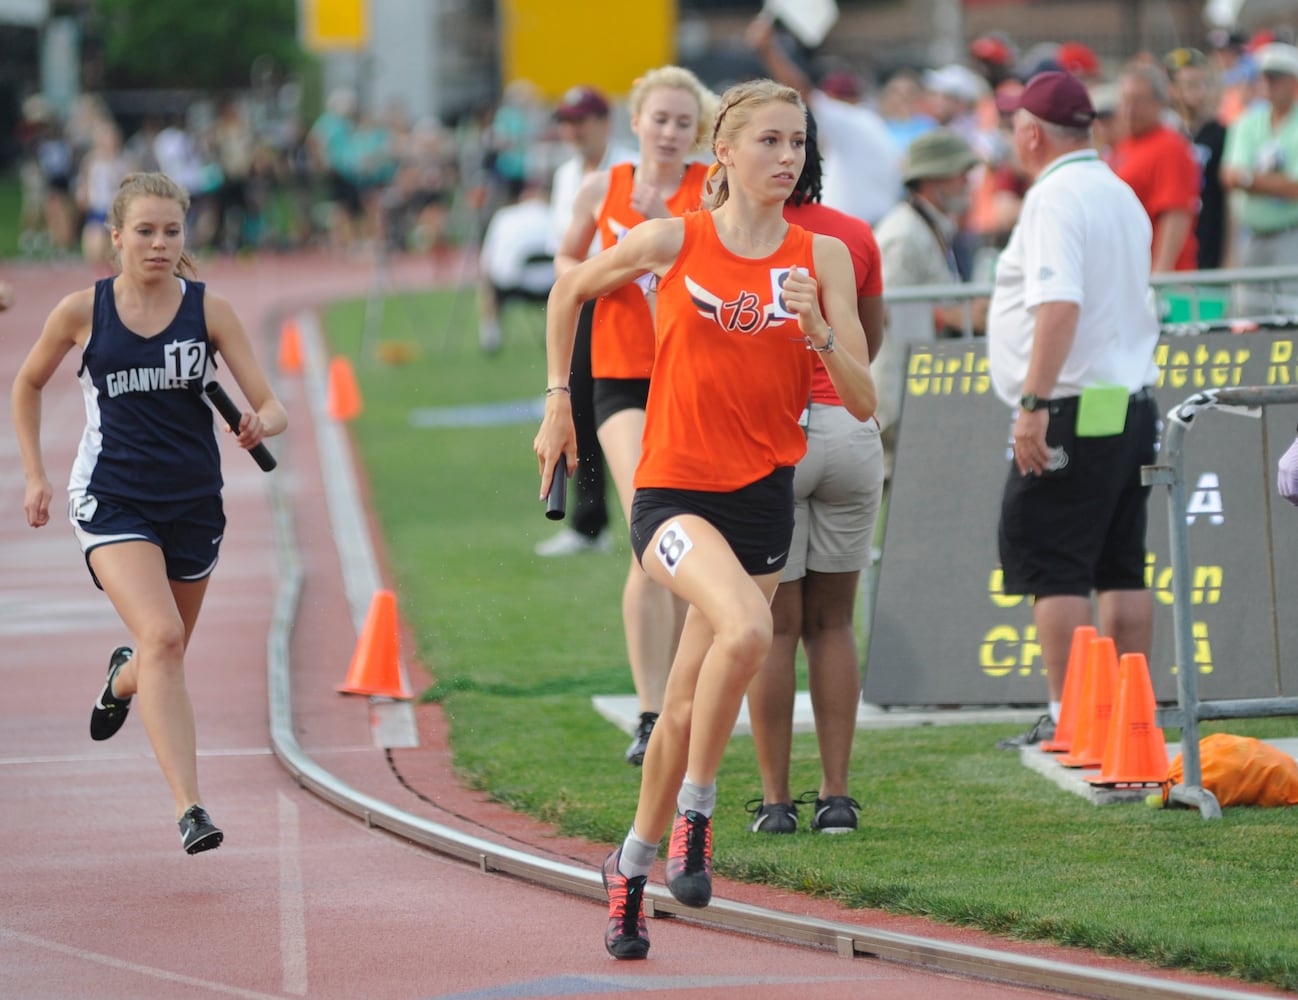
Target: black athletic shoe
<point>773,817</point>
<point>689,859</point>
<point>1042,729</point>
<point>110,712</point>
<point>635,752</point>
<point>835,814</point>
<point>626,935</point>
<point>197,832</point>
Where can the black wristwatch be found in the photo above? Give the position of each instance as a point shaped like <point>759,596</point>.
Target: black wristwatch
<point>1031,402</point>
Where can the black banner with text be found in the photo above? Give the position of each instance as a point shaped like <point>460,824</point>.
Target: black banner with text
<point>944,632</point>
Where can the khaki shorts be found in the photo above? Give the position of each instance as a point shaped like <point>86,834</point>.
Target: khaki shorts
<point>836,487</point>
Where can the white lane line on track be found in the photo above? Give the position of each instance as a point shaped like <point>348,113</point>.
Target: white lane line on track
<point>292,905</point>
<point>145,970</point>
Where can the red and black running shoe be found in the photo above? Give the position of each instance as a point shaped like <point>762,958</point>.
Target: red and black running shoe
<point>627,937</point>
<point>689,859</point>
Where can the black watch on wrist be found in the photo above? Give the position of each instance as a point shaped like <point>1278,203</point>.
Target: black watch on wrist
<point>1031,402</point>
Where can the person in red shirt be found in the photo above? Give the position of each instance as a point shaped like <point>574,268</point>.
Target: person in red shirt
<point>743,298</point>
<point>1159,164</point>
<point>837,488</point>
<point>671,113</point>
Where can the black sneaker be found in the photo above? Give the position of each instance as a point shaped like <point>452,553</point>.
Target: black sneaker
<point>197,832</point>
<point>835,814</point>
<point>635,752</point>
<point>110,712</point>
<point>1042,729</point>
<point>626,936</point>
<point>689,859</point>
<point>774,817</point>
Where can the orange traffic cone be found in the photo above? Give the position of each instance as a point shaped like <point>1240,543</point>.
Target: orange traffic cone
<point>344,397</point>
<point>1135,752</point>
<point>290,348</point>
<point>1097,706</point>
<point>375,668</point>
<point>1074,681</point>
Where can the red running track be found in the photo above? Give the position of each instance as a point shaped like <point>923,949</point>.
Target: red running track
<point>302,900</point>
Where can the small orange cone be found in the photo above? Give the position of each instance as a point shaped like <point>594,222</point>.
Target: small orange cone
<point>1135,752</point>
<point>1096,708</point>
<point>290,348</point>
<point>344,397</point>
<point>375,668</point>
<point>1074,680</point>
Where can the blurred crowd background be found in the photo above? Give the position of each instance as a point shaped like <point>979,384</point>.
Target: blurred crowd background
<point>272,168</point>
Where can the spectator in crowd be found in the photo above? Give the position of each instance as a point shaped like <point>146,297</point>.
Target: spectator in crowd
<point>862,174</point>
<point>585,126</point>
<point>953,93</point>
<point>515,261</point>
<point>234,146</point>
<point>994,55</point>
<point>1070,315</point>
<point>1106,129</point>
<point>900,105</point>
<point>1160,166</point>
<point>515,125</point>
<point>1194,97</point>
<point>1261,162</point>
<point>1081,61</point>
<point>1236,71</point>
<point>330,144</point>
<point>102,170</point>
<point>837,487</point>
<point>55,161</point>
<point>915,244</point>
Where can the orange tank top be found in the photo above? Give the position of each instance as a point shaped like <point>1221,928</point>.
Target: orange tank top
<point>733,371</point>
<point>622,338</point>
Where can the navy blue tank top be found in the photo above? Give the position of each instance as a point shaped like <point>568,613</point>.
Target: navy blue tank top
<point>150,434</point>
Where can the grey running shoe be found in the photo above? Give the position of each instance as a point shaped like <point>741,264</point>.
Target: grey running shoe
<point>1042,729</point>
<point>636,751</point>
<point>198,832</point>
<point>774,817</point>
<point>110,711</point>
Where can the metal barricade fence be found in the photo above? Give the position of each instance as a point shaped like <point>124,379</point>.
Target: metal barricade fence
<point>1191,301</point>
<point>1190,710</point>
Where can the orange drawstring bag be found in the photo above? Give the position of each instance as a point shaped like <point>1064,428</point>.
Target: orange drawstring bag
<point>1241,771</point>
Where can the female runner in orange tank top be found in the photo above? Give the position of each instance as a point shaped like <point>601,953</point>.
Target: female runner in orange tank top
<point>671,114</point>
<point>742,297</point>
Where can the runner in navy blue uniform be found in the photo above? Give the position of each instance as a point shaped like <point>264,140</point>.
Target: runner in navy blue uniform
<point>145,490</point>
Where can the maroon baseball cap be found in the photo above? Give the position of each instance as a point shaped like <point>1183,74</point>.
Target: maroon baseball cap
<point>581,102</point>
<point>1054,96</point>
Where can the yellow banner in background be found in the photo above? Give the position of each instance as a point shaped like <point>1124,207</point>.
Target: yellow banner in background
<point>557,44</point>
<point>335,25</point>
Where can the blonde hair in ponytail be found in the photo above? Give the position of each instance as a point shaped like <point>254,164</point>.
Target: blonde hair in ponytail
<point>734,112</point>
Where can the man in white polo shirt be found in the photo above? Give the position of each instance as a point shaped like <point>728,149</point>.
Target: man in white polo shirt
<point>1071,333</point>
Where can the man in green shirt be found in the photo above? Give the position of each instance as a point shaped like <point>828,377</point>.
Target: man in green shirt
<point>1261,162</point>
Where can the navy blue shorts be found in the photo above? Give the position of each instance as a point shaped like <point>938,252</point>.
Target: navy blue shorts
<point>189,533</point>
<point>755,520</point>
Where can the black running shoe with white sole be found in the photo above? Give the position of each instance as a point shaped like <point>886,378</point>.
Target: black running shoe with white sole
<point>110,711</point>
<point>197,831</point>
<point>834,814</point>
<point>636,751</point>
<point>772,817</point>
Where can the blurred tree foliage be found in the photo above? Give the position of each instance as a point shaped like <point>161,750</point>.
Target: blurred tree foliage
<point>208,46</point>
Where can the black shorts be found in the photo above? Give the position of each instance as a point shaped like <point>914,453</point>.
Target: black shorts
<point>613,395</point>
<point>755,520</point>
<point>1081,529</point>
<point>188,533</point>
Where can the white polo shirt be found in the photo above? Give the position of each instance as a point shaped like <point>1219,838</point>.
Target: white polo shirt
<point>1082,237</point>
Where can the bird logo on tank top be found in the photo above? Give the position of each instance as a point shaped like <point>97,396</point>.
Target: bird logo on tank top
<point>745,312</point>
